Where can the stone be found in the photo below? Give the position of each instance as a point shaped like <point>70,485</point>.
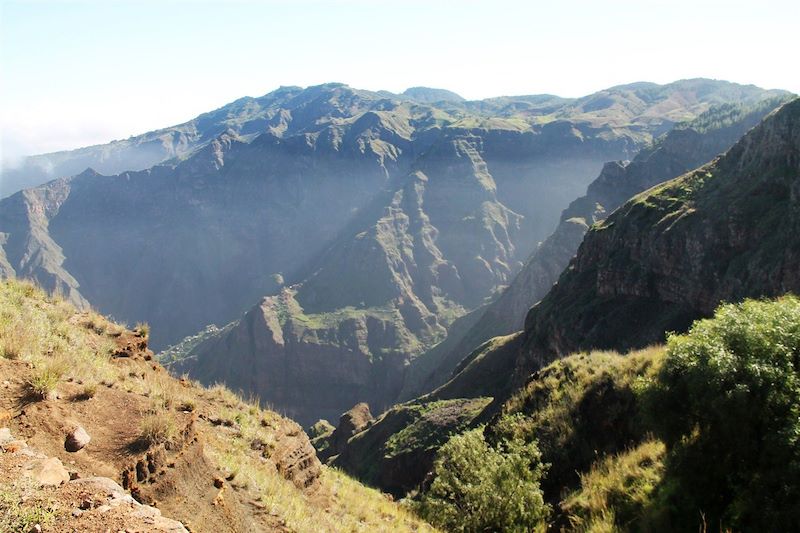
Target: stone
<point>51,472</point>
<point>76,439</point>
<point>5,435</point>
<point>14,445</point>
<point>99,484</point>
<point>356,420</point>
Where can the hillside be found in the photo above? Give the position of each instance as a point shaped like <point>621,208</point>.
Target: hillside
<point>93,428</point>
<point>370,223</point>
<point>433,244</point>
<point>671,255</point>
<point>684,148</point>
<point>723,232</point>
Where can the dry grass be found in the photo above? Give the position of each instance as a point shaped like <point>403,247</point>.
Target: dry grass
<point>143,329</point>
<point>46,376</point>
<point>42,331</point>
<point>617,490</point>
<point>157,428</point>
<point>21,508</point>
<point>339,503</point>
<point>88,391</point>
<point>62,344</point>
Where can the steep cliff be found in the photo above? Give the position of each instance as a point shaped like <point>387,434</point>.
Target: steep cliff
<point>685,147</point>
<point>723,232</point>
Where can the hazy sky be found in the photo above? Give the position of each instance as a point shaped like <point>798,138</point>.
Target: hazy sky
<point>78,73</point>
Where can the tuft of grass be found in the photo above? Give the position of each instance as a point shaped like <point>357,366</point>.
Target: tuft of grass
<point>88,391</point>
<point>46,377</point>
<point>143,329</point>
<point>157,428</point>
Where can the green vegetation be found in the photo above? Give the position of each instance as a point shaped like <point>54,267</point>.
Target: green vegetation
<point>182,350</point>
<point>482,488</point>
<point>320,434</point>
<point>704,433</point>
<point>615,494</point>
<point>20,513</point>
<point>433,423</point>
<point>579,409</point>
<point>727,403</point>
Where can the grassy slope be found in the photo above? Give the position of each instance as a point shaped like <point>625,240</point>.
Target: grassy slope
<point>397,450</point>
<point>46,346</point>
<point>584,411</point>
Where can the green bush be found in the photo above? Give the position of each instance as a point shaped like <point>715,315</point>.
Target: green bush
<point>727,405</point>
<point>481,488</point>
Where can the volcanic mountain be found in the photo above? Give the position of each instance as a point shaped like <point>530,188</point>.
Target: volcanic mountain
<point>369,220</point>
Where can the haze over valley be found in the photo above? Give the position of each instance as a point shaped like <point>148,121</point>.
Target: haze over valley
<point>336,308</point>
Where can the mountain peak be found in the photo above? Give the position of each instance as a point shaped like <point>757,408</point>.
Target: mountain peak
<point>430,95</point>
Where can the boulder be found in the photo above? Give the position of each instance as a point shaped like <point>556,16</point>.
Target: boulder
<point>50,472</point>
<point>76,439</point>
<point>356,420</point>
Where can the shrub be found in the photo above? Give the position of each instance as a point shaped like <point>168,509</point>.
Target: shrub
<point>727,405</point>
<point>481,488</point>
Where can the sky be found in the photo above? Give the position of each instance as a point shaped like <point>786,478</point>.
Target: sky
<point>76,73</point>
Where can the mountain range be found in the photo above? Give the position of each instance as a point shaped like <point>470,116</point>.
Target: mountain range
<point>356,226</point>
<point>668,256</point>
<point>524,312</point>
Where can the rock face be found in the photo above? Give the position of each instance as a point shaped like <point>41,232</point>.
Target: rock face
<point>724,232</point>
<point>684,148</point>
<point>295,457</point>
<point>352,422</point>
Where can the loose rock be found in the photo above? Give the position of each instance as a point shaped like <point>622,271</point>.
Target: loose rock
<point>76,439</point>
<point>51,472</point>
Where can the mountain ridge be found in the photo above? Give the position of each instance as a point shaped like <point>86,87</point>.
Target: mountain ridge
<point>200,240</point>
<point>680,150</point>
